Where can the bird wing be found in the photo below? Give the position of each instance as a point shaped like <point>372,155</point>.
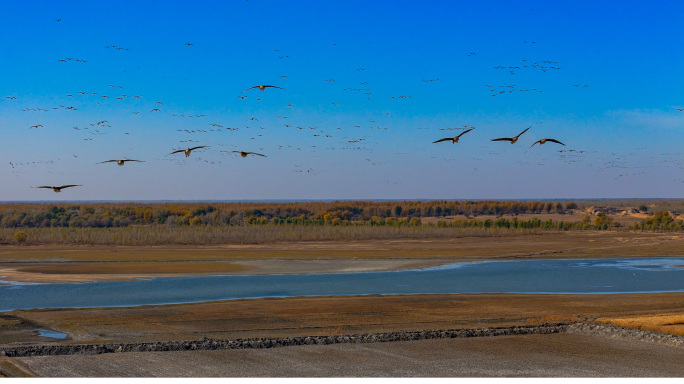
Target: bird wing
<point>259,154</point>
<point>444,139</point>
<point>70,185</point>
<point>256,86</point>
<point>536,142</point>
<point>108,161</point>
<point>503,139</point>
<point>464,132</point>
<point>272,86</point>
<point>555,141</point>
<point>524,131</point>
<point>180,150</point>
<point>44,186</point>
<point>201,146</point>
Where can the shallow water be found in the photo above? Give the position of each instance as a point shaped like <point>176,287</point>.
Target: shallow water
<point>51,334</point>
<point>586,276</point>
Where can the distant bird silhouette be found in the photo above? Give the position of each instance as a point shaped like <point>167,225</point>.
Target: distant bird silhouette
<point>262,87</point>
<point>58,189</point>
<point>188,150</point>
<point>543,141</point>
<point>120,162</point>
<point>244,154</point>
<point>454,139</point>
<point>512,139</point>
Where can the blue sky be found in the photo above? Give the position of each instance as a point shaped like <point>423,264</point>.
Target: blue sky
<point>368,86</point>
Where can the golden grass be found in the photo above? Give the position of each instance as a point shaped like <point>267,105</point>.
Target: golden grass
<point>664,323</point>
<point>6,322</point>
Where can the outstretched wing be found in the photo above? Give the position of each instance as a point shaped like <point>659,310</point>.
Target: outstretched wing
<point>108,161</point>
<point>70,185</point>
<point>272,86</point>
<point>256,86</point>
<point>536,142</point>
<point>43,186</point>
<point>503,139</point>
<point>444,139</point>
<point>524,131</point>
<point>555,141</point>
<point>464,132</point>
<point>201,146</point>
<point>180,150</point>
<point>258,154</point>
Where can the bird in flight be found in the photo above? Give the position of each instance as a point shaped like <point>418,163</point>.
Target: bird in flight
<point>188,150</point>
<point>120,162</point>
<point>454,139</point>
<point>244,154</point>
<point>543,141</point>
<point>512,139</point>
<point>58,189</point>
<point>262,87</point>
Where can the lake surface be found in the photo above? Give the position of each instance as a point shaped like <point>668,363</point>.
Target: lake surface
<point>587,276</point>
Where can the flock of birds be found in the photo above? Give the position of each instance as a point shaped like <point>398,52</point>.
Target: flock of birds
<point>349,142</point>
<point>512,140</point>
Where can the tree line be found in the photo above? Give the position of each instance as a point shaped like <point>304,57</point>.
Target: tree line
<point>105,215</point>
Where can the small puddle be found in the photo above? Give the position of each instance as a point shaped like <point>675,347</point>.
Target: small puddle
<point>51,334</point>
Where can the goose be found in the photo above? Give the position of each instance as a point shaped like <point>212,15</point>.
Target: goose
<point>58,189</point>
<point>120,162</point>
<point>262,87</point>
<point>512,139</point>
<point>244,154</point>
<point>543,141</point>
<point>454,139</point>
<point>188,150</point>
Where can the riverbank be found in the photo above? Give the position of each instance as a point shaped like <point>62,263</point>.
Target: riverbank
<point>44,264</point>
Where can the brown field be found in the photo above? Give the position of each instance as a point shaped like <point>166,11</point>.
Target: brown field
<point>276,317</point>
<point>83,263</point>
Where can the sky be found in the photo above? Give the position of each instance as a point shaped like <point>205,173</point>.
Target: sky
<point>364,89</point>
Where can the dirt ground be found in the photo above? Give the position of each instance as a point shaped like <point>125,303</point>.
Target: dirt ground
<point>557,355</point>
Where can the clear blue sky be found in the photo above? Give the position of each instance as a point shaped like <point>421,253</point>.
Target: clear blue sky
<point>605,78</point>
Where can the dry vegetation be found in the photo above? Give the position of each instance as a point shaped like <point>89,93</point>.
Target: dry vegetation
<point>260,223</point>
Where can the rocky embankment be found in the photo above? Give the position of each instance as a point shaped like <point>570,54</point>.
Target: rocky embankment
<point>270,342</point>
<point>216,344</point>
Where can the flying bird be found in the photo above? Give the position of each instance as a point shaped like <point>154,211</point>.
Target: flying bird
<point>244,154</point>
<point>512,139</point>
<point>58,189</point>
<point>454,139</point>
<point>120,162</point>
<point>188,150</point>
<point>543,141</point>
<point>262,87</point>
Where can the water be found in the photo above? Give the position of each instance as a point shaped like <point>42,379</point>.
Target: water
<point>587,276</point>
<point>51,334</point>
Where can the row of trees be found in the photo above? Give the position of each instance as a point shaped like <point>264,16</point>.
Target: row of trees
<point>179,214</point>
<point>660,221</point>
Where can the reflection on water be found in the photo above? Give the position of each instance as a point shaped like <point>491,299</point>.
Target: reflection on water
<point>636,275</point>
